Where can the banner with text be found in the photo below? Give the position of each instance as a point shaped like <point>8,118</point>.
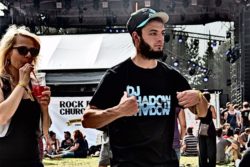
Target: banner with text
<point>66,114</point>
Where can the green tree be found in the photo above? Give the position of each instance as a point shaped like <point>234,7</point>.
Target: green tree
<point>195,64</point>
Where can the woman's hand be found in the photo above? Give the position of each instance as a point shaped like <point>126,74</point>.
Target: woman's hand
<point>44,100</point>
<point>24,74</point>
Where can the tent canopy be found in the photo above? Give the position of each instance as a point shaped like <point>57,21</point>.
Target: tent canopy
<point>88,51</point>
<point>82,59</point>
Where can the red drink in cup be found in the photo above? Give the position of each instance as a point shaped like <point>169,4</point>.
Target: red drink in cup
<point>38,84</point>
<point>37,90</point>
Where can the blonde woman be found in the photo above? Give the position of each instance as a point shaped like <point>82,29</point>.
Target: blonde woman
<point>19,109</point>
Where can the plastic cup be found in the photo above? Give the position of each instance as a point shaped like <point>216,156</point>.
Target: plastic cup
<point>38,84</point>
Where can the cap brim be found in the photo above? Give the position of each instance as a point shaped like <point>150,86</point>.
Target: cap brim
<point>162,15</point>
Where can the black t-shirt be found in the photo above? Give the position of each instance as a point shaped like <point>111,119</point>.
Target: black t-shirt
<point>245,159</point>
<point>245,117</point>
<point>82,150</point>
<point>146,138</point>
<point>66,143</point>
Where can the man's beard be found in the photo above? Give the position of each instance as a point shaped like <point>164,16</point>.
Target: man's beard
<point>148,52</point>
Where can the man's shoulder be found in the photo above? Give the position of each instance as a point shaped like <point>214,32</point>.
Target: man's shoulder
<point>167,66</point>
<point>119,67</point>
<point>246,110</point>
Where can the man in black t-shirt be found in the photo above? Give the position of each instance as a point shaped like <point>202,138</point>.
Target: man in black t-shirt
<point>68,141</point>
<point>245,115</point>
<point>136,99</point>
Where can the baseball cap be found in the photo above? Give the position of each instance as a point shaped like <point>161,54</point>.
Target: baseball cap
<point>142,16</point>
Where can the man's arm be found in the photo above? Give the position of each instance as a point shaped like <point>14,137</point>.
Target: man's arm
<point>183,145</point>
<point>97,118</point>
<point>182,121</point>
<point>238,118</point>
<point>194,100</point>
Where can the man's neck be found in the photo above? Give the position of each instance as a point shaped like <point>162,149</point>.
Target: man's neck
<point>143,62</point>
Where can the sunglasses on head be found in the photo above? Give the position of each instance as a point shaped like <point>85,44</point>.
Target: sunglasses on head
<point>23,51</point>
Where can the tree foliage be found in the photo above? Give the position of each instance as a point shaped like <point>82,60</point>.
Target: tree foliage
<point>195,63</point>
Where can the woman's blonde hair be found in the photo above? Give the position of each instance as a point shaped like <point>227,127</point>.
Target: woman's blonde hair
<point>8,41</point>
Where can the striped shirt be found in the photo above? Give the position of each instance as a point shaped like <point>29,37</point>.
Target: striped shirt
<point>191,145</point>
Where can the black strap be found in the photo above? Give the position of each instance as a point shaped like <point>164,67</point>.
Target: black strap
<point>6,87</point>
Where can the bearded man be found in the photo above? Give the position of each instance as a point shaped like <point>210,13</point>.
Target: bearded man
<point>136,99</point>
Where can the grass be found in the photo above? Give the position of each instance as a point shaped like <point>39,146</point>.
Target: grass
<point>93,162</point>
<point>71,162</point>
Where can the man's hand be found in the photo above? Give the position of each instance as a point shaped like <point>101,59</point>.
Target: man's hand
<point>188,98</point>
<point>98,118</point>
<point>194,100</point>
<point>128,105</point>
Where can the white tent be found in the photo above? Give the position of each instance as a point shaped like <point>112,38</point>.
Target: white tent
<point>89,51</point>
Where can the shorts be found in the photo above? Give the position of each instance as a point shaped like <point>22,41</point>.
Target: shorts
<point>105,155</point>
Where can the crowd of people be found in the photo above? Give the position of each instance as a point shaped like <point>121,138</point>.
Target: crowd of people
<point>233,137</point>
<point>225,144</point>
<point>228,144</point>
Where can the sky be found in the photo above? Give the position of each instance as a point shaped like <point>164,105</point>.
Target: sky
<point>215,28</point>
<point>1,7</point>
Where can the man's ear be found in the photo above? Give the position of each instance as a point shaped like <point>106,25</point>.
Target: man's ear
<point>135,37</point>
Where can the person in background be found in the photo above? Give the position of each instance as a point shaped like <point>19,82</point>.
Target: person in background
<point>78,150</point>
<point>232,151</point>
<point>190,144</point>
<point>137,98</point>
<point>20,111</point>
<point>231,116</point>
<point>225,128</point>
<point>222,114</point>
<point>67,142</point>
<point>179,133</point>
<point>53,144</point>
<point>207,144</point>
<point>243,139</point>
<point>245,160</point>
<point>238,115</point>
<point>221,145</point>
<point>105,152</point>
<point>245,116</point>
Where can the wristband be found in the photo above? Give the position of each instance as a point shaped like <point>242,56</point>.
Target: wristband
<point>22,85</point>
<point>200,94</point>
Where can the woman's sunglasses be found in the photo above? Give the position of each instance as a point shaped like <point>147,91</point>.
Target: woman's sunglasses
<point>23,50</point>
